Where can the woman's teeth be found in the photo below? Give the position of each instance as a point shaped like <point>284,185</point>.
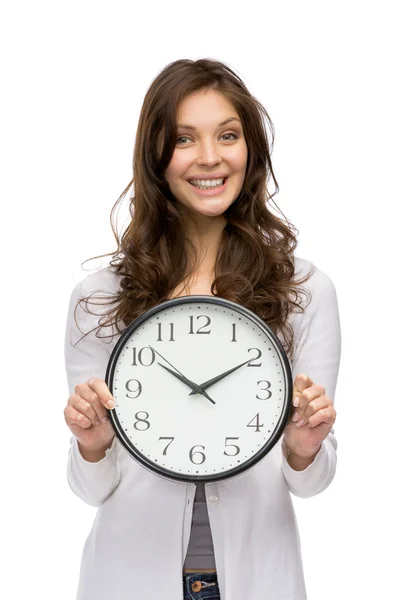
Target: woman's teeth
<point>207,184</point>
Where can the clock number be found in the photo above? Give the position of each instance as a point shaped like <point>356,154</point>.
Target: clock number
<point>233,333</point>
<point>141,420</point>
<point>231,446</point>
<point>208,322</point>
<point>166,447</point>
<point>265,389</point>
<point>171,332</point>
<point>140,359</point>
<point>192,453</point>
<point>257,425</point>
<point>136,391</point>
<point>250,363</point>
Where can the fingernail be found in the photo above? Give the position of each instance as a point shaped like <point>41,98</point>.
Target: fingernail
<point>296,416</point>
<point>111,404</point>
<point>296,401</point>
<point>300,423</point>
<point>104,420</point>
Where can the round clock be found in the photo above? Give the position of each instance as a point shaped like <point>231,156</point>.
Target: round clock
<point>202,388</point>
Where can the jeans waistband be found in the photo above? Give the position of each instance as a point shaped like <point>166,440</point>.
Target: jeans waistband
<point>200,586</point>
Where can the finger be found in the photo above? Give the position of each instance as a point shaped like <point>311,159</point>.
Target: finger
<point>95,398</point>
<point>102,391</point>
<point>325,415</point>
<point>318,403</point>
<point>74,417</point>
<point>307,396</point>
<point>87,401</point>
<point>83,406</point>
<point>301,382</point>
<point>303,399</point>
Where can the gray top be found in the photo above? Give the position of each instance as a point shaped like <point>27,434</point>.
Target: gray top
<point>200,552</point>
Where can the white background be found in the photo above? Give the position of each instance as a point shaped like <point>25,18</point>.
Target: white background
<point>73,76</point>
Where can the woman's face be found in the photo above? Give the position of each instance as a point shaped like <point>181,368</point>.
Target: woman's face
<point>206,150</point>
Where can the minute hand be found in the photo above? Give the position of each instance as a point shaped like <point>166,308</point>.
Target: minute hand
<point>211,382</point>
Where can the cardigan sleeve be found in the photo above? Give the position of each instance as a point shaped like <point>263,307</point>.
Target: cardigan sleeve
<point>92,482</point>
<point>317,353</point>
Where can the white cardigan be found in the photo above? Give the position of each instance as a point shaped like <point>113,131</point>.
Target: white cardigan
<point>138,542</point>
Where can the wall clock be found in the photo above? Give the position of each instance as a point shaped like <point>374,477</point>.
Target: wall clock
<point>203,389</point>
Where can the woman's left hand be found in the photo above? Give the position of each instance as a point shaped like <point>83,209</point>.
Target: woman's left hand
<point>311,419</point>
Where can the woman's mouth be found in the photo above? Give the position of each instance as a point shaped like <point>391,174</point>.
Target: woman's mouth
<point>209,187</point>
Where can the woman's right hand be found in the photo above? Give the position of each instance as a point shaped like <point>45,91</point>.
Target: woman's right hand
<point>87,417</point>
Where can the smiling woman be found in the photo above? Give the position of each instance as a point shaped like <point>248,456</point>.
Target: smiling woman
<point>199,122</point>
<point>201,225</point>
<point>213,160</point>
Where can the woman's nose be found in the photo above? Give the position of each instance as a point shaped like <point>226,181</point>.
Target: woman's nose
<point>208,154</point>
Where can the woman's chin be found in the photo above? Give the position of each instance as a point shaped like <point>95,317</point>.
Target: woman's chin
<point>209,214</point>
<point>211,209</point>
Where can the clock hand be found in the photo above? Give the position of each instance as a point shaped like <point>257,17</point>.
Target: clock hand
<point>211,382</point>
<point>196,389</point>
<point>181,377</point>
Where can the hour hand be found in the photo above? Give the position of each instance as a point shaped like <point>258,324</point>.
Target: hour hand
<point>211,382</point>
<point>192,385</point>
<point>196,389</point>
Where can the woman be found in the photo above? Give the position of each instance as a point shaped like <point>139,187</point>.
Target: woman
<point>200,225</point>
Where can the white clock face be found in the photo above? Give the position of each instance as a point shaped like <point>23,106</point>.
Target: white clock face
<point>216,429</point>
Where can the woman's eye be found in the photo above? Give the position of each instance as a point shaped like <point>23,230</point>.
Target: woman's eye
<point>234,135</point>
<point>184,137</point>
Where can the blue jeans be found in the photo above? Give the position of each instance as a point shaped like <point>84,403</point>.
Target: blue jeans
<point>200,586</point>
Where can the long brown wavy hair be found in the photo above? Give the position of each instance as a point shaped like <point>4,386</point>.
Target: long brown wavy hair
<point>255,263</point>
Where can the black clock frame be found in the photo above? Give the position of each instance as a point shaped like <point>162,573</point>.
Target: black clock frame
<point>287,374</point>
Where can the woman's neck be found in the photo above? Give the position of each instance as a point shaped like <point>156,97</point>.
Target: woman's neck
<point>204,236</point>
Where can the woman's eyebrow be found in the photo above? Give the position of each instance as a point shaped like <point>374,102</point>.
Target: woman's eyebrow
<point>220,125</point>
